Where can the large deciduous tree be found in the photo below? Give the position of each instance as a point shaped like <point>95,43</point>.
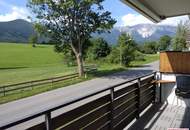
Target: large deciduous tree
<point>179,41</point>
<point>127,48</point>
<point>72,21</point>
<point>164,43</point>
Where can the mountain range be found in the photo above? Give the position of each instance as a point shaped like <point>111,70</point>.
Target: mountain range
<point>140,32</point>
<point>15,31</point>
<point>20,31</point>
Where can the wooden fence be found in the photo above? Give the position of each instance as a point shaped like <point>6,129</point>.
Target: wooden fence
<point>13,88</point>
<point>111,111</point>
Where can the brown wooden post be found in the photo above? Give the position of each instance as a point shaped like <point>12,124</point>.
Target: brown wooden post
<point>52,82</point>
<point>3,91</point>
<point>31,84</point>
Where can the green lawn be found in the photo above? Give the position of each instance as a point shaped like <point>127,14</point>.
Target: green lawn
<point>22,62</point>
<point>25,56</point>
<point>148,59</point>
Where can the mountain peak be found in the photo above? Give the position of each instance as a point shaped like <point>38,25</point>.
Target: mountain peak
<point>140,32</point>
<point>17,20</point>
<point>18,30</point>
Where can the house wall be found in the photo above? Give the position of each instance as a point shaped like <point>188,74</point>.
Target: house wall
<point>168,91</point>
<point>175,62</point>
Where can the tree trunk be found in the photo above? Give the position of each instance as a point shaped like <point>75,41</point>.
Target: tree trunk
<point>78,54</point>
<point>80,65</point>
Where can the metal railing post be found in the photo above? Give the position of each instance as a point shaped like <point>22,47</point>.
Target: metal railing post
<point>160,88</point>
<point>138,97</point>
<point>154,89</point>
<point>48,121</point>
<point>111,108</point>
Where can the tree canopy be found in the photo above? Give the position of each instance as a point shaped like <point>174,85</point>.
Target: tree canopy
<point>149,47</point>
<point>164,43</point>
<point>99,49</point>
<point>179,41</point>
<point>72,21</point>
<point>127,48</point>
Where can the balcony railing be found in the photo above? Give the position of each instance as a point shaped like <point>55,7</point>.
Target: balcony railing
<point>111,108</point>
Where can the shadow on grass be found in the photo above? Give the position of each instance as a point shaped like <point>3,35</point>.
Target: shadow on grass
<point>138,66</point>
<point>100,73</point>
<point>11,68</point>
<point>41,46</point>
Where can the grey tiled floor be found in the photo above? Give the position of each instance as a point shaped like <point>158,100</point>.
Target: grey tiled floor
<point>162,117</point>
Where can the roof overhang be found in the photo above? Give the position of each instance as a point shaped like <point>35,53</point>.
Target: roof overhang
<point>157,10</point>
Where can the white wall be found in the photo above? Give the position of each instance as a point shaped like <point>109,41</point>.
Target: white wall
<point>168,92</point>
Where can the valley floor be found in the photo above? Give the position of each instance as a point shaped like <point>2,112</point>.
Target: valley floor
<point>22,62</point>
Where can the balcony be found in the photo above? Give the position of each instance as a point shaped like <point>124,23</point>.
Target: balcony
<point>145,102</point>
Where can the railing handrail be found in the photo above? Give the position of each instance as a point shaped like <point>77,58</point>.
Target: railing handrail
<point>47,110</point>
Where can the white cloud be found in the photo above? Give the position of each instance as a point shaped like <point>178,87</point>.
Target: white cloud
<point>15,13</point>
<point>134,19</point>
<point>174,21</point>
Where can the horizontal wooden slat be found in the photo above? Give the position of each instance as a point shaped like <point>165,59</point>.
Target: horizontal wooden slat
<point>147,80</point>
<point>126,120</point>
<point>75,113</point>
<point>125,105</point>
<point>87,119</point>
<point>105,127</point>
<point>147,89</point>
<point>128,111</point>
<point>146,103</point>
<point>146,96</point>
<point>69,116</point>
<point>125,90</point>
<point>146,86</point>
<point>124,98</point>
<point>100,122</point>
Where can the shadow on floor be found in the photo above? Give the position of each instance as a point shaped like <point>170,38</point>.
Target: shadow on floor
<point>186,118</point>
<point>149,118</point>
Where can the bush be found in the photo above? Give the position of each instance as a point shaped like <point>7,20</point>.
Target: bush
<point>114,56</point>
<point>149,47</point>
<point>139,56</point>
<point>99,49</point>
<point>69,60</point>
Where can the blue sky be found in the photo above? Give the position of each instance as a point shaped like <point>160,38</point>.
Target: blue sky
<point>125,16</point>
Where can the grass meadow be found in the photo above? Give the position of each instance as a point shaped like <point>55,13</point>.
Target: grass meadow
<point>22,62</point>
